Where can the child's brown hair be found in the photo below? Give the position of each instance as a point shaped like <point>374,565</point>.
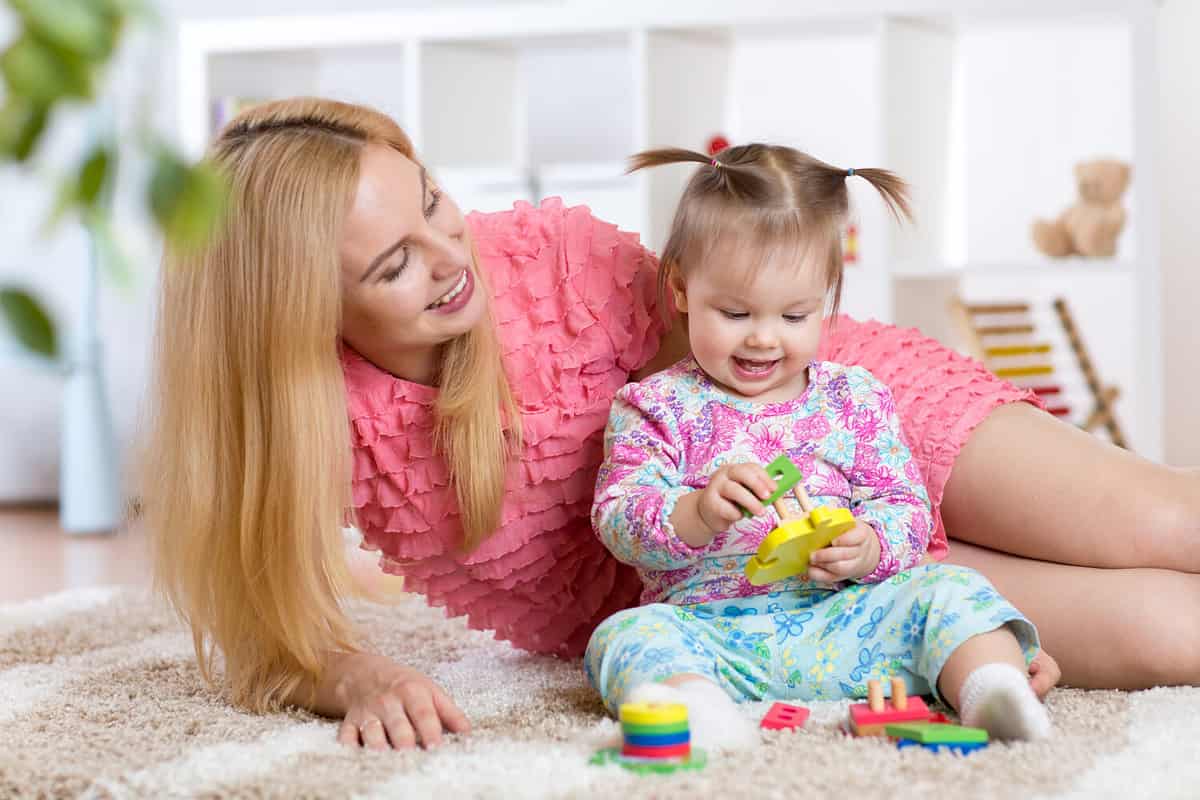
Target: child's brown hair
<point>765,197</point>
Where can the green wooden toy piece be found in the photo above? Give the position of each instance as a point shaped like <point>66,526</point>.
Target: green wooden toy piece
<point>785,474</point>
<point>612,755</point>
<point>936,733</point>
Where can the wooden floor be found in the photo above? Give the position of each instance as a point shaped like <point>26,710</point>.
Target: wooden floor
<point>38,558</point>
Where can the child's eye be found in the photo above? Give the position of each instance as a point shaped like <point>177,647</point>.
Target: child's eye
<point>733,314</point>
<point>795,318</point>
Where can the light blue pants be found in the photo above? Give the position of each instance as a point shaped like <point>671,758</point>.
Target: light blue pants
<point>812,644</point>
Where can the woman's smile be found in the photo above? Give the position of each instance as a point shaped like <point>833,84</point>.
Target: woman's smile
<point>458,296</point>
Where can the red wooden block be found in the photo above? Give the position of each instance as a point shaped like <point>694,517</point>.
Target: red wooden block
<point>784,717</point>
<point>865,722</point>
<point>681,750</point>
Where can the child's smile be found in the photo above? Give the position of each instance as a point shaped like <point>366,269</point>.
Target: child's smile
<point>754,332</point>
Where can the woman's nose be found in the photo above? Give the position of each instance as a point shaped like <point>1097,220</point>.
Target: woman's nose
<point>448,254</point>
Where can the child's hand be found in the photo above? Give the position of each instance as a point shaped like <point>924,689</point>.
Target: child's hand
<point>850,556</point>
<point>730,489</point>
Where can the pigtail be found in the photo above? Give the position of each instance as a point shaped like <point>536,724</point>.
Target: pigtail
<point>765,198</point>
<point>891,188</point>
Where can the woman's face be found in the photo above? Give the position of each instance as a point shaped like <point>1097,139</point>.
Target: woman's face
<point>408,282</point>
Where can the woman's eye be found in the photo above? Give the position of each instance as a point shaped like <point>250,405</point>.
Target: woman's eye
<point>734,314</point>
<point>795,318</point>
<point>435,197</point>
<point>395,271</point>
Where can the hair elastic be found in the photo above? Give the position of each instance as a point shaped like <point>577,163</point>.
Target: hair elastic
<point>716,163</point>
<point>850,172</point>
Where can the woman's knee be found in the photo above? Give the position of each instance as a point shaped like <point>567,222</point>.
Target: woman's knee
<point>1161,646</point>
<point>1169,536</point>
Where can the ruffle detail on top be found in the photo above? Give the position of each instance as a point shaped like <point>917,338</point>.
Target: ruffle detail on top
<point>940,394</point>
<point>575,307</point>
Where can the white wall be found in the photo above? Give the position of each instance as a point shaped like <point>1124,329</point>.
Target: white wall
<point>29,400</point>
<point>1179,164</point>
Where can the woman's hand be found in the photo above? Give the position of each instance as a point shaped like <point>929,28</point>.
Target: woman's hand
<point>849,557</point>
<point>1044,674</point>
<point>389,705</point>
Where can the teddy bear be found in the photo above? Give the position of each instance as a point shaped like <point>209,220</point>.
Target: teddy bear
<point>1092,225</point>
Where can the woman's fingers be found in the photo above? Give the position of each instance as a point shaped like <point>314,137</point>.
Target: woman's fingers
<point>418,705</point>
<point>348,733</point>
<point>373,733</point>
<point>453,717</point>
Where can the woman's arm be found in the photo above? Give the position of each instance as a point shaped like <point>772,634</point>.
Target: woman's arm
<point>381,703</point>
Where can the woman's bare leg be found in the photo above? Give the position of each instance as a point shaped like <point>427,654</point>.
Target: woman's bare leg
<point>1028,484</point>
<point>1107,628</point>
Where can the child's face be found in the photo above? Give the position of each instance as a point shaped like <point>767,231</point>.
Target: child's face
<point>753,333</point>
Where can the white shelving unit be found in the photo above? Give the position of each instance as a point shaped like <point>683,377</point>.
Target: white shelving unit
<point>983,105</point>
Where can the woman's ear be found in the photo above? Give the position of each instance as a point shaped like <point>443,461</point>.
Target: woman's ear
<point>678,290</point>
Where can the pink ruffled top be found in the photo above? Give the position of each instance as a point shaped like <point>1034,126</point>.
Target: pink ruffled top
<point>575,303</point>
<point>940,395</point>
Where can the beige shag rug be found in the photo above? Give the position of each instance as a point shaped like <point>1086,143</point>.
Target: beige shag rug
<point>99,698</point>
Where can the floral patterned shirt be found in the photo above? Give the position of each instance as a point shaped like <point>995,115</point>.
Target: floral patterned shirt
<point>667,434</point>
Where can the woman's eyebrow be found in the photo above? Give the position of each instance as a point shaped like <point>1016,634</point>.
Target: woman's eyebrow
<point>379,259</point>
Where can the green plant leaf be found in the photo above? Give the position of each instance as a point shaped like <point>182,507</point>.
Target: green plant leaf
<point>29,321</point>
<point>83,190</point>
<point>114,259</point>
<point>93,177</point>
<point>21,126</point>
<point>187,201</point>
<point>85,27</point>
<point>36,69</point>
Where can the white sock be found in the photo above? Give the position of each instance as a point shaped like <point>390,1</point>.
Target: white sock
<point>713,717</point>
<point>997,698</point>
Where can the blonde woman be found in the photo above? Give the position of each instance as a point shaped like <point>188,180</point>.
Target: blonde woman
<point>351,348</point>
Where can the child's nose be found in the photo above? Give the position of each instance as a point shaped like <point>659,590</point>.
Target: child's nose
<point>762,338</point>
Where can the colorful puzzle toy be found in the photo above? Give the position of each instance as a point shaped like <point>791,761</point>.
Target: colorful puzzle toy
<point>938,736</point>
<point>656,739</point>
<point>784,717</point>
<point>786,550</point>
<point>872,717</point>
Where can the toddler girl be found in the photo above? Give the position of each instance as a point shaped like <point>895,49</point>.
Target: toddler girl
<point>753,259</point>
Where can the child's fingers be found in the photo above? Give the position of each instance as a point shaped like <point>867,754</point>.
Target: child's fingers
<point>735,492</point>
<point>828,556</point>
<point>725,511</point>
<point>820,575</point>
<point>754,478</point>
<point>851,538</point>
<point>846,568</point>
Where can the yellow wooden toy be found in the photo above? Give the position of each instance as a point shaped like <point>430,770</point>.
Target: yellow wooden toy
<point>786,550</point>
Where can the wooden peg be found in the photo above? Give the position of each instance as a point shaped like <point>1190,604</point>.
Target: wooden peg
<point>782,510</point>
<point>806,503</point>
<point>899,694</point>
<point>875,696</point>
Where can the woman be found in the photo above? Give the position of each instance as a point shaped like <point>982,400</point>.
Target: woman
<point>476,361</point>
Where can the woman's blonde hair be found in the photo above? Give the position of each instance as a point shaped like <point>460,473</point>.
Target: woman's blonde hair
<point>247,463</point>
<point>764,199</point>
